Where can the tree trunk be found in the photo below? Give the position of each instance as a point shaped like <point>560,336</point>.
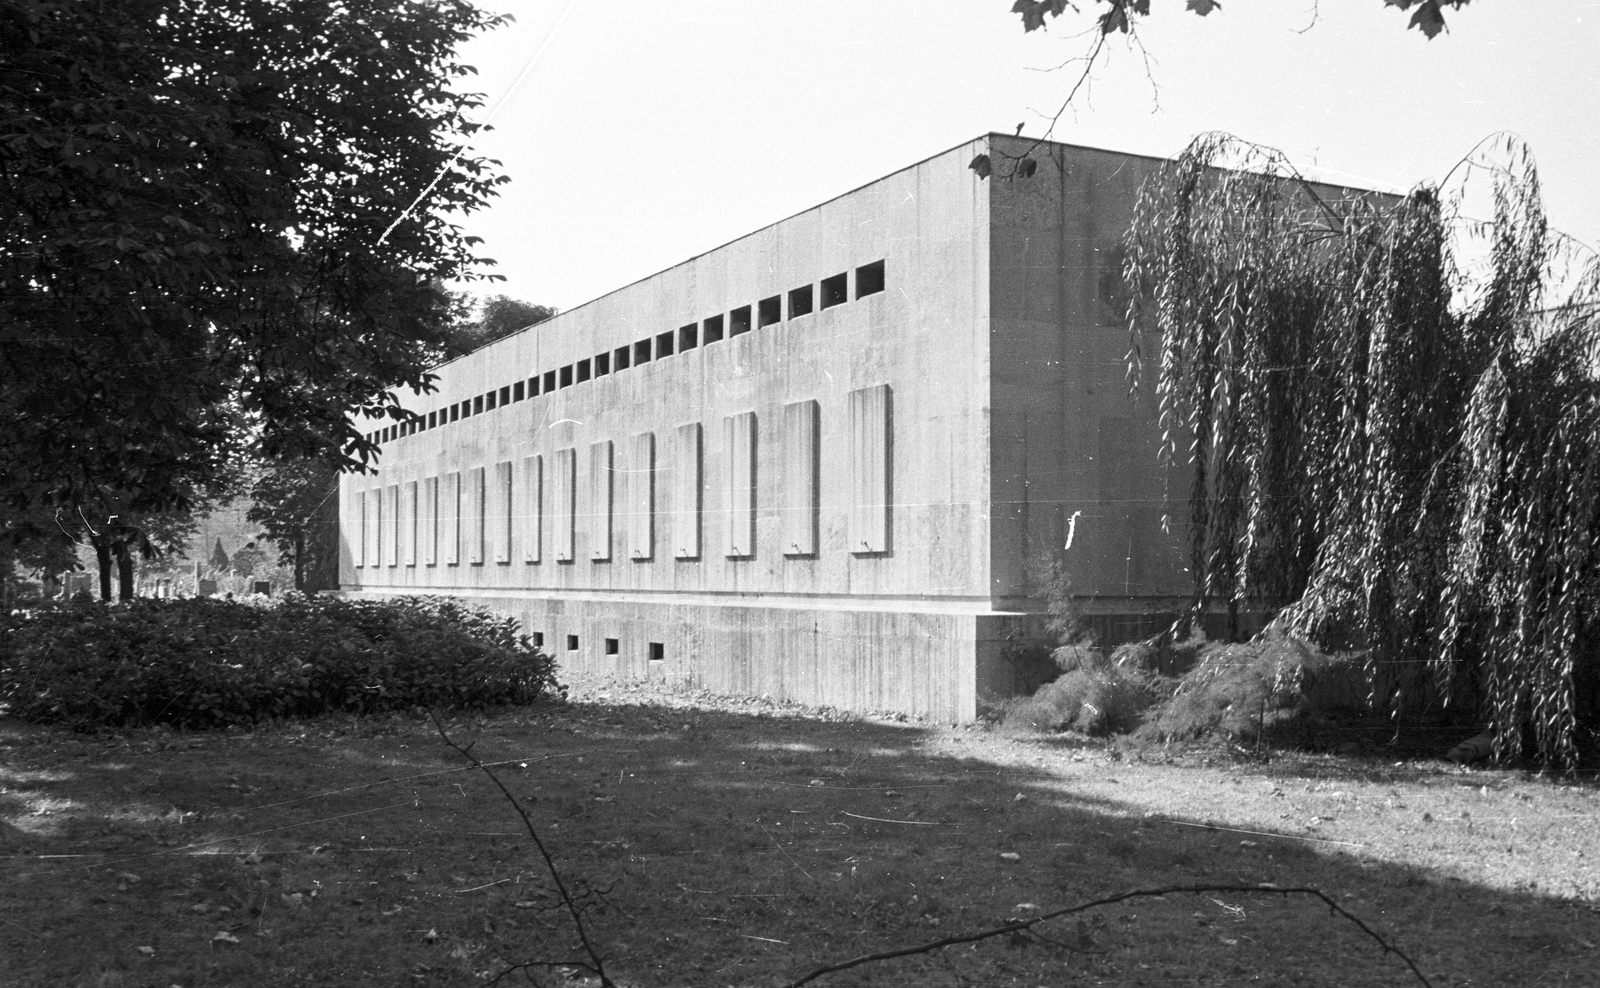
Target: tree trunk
<point>102,556</point>
<point>300,559</point>
<point>124,571</point>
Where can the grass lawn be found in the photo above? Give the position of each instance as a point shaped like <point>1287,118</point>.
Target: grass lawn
<point>745,843</point>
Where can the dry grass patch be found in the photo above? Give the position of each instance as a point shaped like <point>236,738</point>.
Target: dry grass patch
<point>744,844</point>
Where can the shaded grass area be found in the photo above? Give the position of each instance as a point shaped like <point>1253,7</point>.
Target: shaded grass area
<point>745,845</point>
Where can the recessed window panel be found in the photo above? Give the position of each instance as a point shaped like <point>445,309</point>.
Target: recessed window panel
<point>711,329</point>
<point>739,466</point>
<point>505,395</point>
<point>869,279</point>
<point>871,458</point>
<point>602,364</point>
<point>664,345</point>
<point>739,321</point>
<point>641,352</point>
<point>688,337</point>
<point>769,311</point>
<point>800,480</point>
<point>585,370</point>
<point>621,355</point>
<point>835,291</point>
<point>517,393</point>
<point>800,301</point>
<point>549,381</point>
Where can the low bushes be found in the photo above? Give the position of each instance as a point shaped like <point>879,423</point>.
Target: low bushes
<point>203,663</point>
<point>1229,690</point>
<point>1093,695</point>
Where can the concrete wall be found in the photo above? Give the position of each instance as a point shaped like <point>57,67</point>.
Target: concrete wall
<point>915,355</point>
<point>1067,437</point>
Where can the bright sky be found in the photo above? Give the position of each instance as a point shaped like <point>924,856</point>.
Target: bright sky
<point>648,132</point>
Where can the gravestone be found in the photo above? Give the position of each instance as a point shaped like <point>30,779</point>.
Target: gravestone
<point>208,588</point>
<point>264,587</point>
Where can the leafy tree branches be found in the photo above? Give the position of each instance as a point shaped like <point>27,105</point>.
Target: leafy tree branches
<point>1122,15</point>
<point>190,198</point>
<point>1402,454</point>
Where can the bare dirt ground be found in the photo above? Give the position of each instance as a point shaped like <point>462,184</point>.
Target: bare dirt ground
<point>746,842</point>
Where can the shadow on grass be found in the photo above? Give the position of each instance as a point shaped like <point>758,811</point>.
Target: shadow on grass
<point>744,848</point>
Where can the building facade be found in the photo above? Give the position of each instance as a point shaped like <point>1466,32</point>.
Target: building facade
<point>821,462</point>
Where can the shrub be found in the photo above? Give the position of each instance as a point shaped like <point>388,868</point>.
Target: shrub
<point>203,663</point>
<point>1234,690</point>
<point>1093,695</point>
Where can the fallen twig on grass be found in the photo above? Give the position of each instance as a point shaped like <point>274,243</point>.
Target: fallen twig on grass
<point>595,964</point>
<point>1026,926</point>
<point>1264,833</point>
<point>879,819</point>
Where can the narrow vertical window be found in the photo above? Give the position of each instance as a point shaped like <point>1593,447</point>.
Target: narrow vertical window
<point>686,493</point>
<point>562,498</point>
<point>430,521</point>
<point>450,511</point>
<point>871,464</point>
<point>642,497</point>
<point>533,386</point>
<point>688,337</point>
<point>620,357</point>
<point>739,465</point>
<point>739,321</point>
<point>585,370</point>
<point>602,364</point>
<point>549,381</point>
<point>516,391</point>
<point>476,515</point>
<point>664,344</point>
<point>533,508</point>
<point>362,542</point>
<point>408,513</point>
<point>601,478</point>
<point>502,501</point>
<point>641,352</point>
<point>800,479</point>
<point>391,517</point>
<point>711,329</point>
<point>374,526</point>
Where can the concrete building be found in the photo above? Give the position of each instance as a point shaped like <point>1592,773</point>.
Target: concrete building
<point>818,462</point>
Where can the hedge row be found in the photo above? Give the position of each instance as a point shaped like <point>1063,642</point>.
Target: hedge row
<point>204,663</point>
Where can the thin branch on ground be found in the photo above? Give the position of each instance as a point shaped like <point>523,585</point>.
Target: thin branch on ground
<point>595,964</point>
<point>1026,926</point>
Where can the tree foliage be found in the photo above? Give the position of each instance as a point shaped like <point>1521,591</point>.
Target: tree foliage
<point>1114,16</point>
<point>192,196</point>
<point>1400,452</point>
<point>296,502</point>
<point>494,318</point>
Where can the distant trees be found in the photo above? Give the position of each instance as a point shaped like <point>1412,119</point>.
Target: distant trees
<point>196,253</point>
<point>480,323</point>
<point>1402,458</point>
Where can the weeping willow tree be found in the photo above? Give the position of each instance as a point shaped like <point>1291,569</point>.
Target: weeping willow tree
<point>1393,448</point>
